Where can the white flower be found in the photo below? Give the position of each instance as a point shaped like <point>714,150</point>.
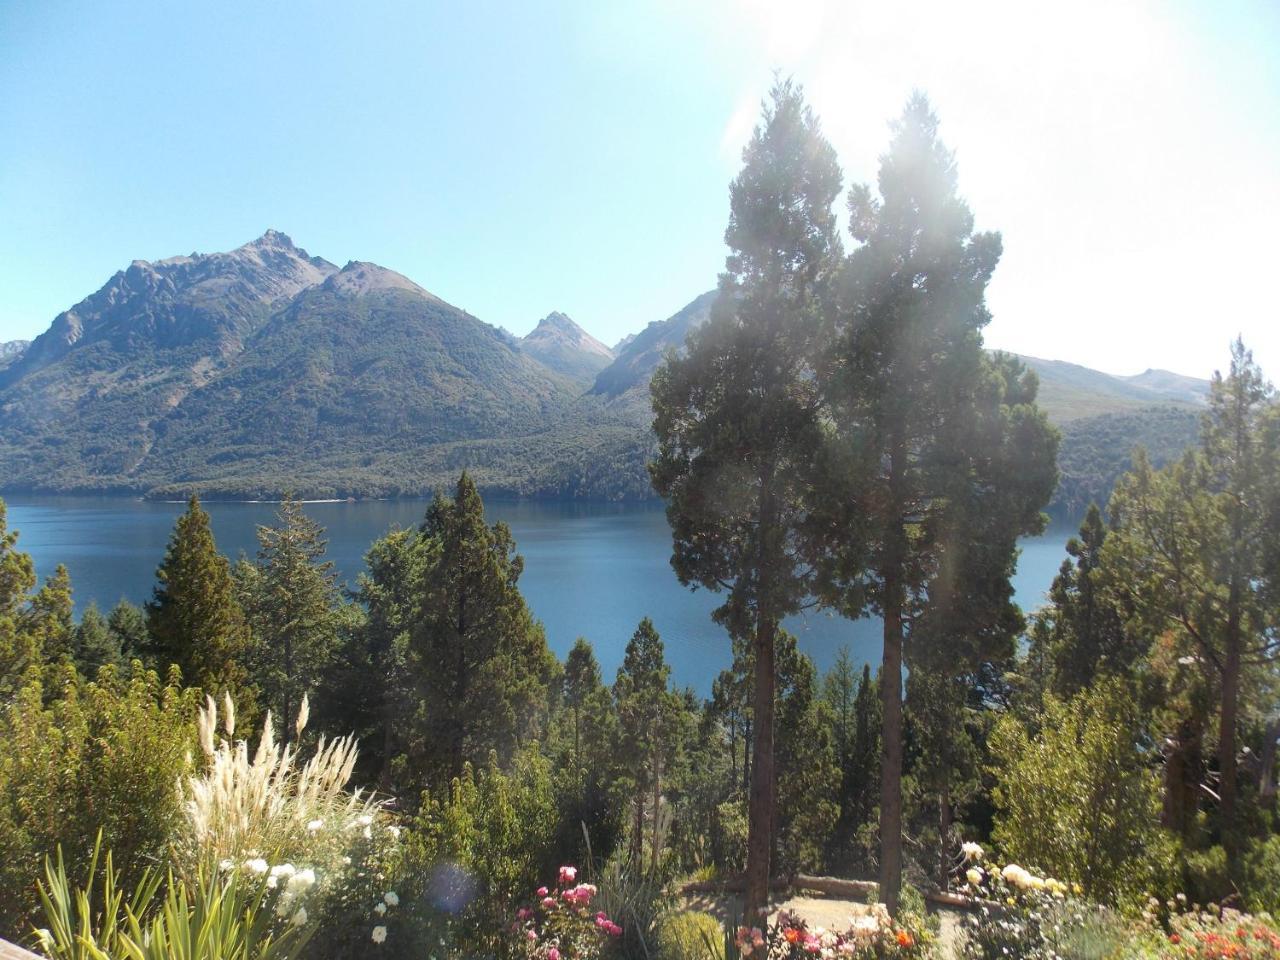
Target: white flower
<point>380,909</point>
<point>302,880</point>
<point>379,934</point>
<point>368,833</point>
<point>225,865</point>
<point>866,926</point>
<point>971,850</point>
<point>394,831</point>
<point>272,882</point>
<point>974,876</point>
<point>283,870</point>
<point>392,898</point>
<point>300,917</point>
<point>257,865</point>
<point>315,825</point>
<point>364,819</point>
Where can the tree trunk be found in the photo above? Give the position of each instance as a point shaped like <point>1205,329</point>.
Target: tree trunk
<point>637,833</point>
<point>1227,737</point>
<point>1182,770</point>
<point>760,810</point>
<point>944,831</point>
<point>657,802</point>
<point>1267,772</point>
<point>891,747</point>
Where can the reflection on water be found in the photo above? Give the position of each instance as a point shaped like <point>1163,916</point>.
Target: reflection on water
<point>591,569</point>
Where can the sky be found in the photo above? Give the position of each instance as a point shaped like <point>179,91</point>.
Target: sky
<point>518,158</point>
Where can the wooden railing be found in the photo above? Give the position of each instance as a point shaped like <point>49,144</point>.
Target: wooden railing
<point>9,952</point>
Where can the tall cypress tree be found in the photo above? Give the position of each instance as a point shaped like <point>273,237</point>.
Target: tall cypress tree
<point>737,417</point>
<point>643,705</point>
<point>194,619</point>
<point>939,458</point>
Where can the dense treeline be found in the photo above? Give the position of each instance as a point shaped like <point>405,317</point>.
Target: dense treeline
<point>834,436</point>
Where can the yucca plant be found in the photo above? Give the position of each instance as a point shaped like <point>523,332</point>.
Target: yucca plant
<point>79,929</point>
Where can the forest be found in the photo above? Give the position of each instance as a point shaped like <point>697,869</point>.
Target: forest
<point>259,764</point>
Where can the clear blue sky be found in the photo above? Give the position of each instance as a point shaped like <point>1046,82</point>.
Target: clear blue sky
<point>516,158</point>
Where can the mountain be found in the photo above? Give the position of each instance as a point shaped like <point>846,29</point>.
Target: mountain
<point>561,345</point>
<point>1069,391</point>
<point>630,371</point>
<point>265,370</point>
<point>622,344</point>
<point>11,350</point>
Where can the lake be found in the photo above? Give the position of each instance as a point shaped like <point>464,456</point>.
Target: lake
<point>591,569</point>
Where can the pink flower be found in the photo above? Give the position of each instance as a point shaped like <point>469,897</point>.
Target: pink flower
<point>531,934</point>
<point>568,875</point>
<point>542,891</point>
<point>614,929</point>
<point>524,913</point>
<point>553,954</point>
<point>548,902</point>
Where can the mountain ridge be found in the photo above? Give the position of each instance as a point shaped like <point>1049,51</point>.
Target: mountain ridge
<point>265,369</point>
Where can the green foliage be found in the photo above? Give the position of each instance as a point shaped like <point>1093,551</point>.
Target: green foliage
<point>690,935</point>
<point>79,757</point>
<point>478,851</point>
<point>215,917</point>
<point>95,644</point>
<point>194,619</point>
<point>290,598</point>
<point>737,417</point>
<point>1078,799</point>
<point>478,660</point>
<point>1262,876</point>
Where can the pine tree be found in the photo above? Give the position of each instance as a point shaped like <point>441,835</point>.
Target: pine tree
<point>19,650</point>
<point>478,660</point>
<point>1190,554</point>
<point>95,645</point>
<point>1087,632</point>
<point>194,619</point>
<point>644,707</point>
<point>128,624</point>
<point>939,459</point>
<point>292,603</point>
<point>49,617</point>
<point>737,417</point>
<point>808,774</point>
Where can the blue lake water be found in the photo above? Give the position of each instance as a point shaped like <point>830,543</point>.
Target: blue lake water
<point>591,570</point>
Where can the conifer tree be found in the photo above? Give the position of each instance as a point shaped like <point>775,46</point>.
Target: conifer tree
<point>49,616</point>
<point>1190,554</point>
<point>194,618</point>
<point>291,598</point>
<point>939,459</point>
<point>644,706</point>
<point>128,624</point>
<point>737,417</point>
<point>19,650</point>
<point>95,645</point>
<point>479,661</point>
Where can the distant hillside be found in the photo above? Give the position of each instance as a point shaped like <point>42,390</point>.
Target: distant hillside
<point>638,358</point>
<point>1069,391</point>
<point>563,346</point>
<point>263,370</point>
<point>11,350</point>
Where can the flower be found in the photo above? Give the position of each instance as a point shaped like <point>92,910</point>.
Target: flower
<point>553,954</point>
<point>974,876</point>
<point>257,865</point>
<point>394,831</point>
<point>315,825</point>
<point>379,934</point>
<point>283,870</point>
<point>302,880</point>
<point>905,940</point>
<point>380,909</point>
<point>542,891</point>
<point>392,898</point>
<point>568,875</point>
<point>300,917</point>
<point>971,850</point>
<point>225,865</point>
